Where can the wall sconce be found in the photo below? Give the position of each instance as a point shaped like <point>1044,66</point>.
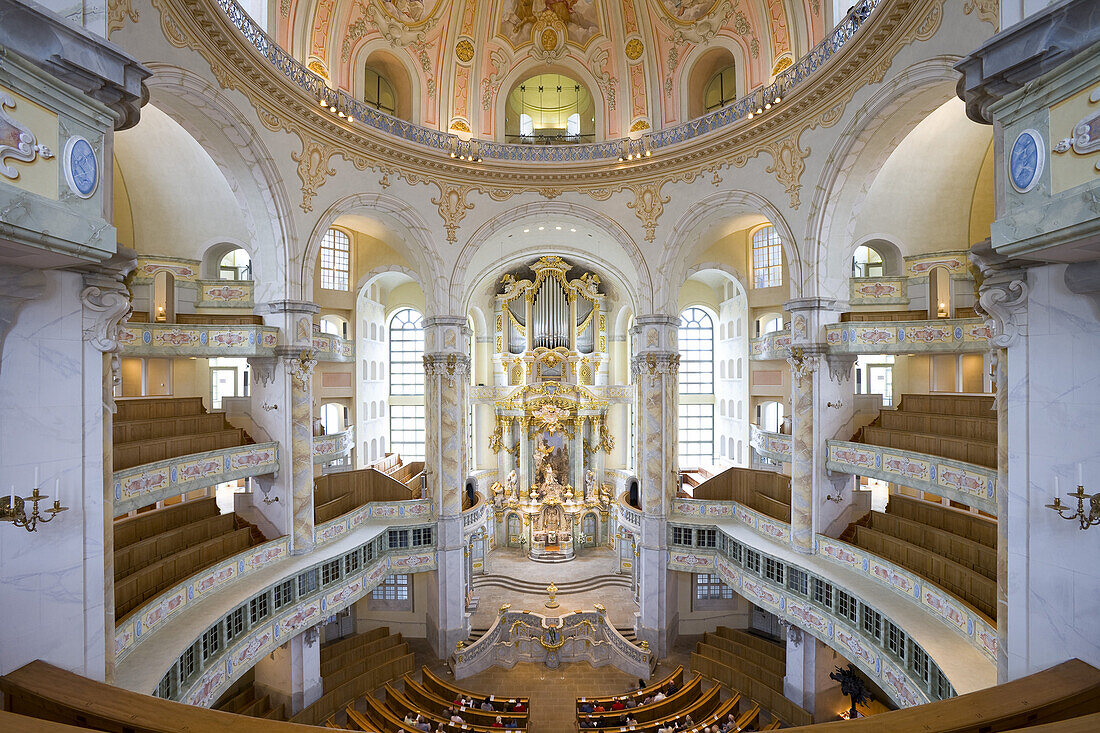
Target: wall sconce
<point>14,508</point>
<point>268,407</point>
<point>942,311</point>
<point>1084,519</point>
<point>838,404</point>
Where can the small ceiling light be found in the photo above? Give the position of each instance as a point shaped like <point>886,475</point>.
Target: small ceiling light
<point>341,113</point>
<point>778,100</point>
<point>479,159</point>
<point>525,231</point>
<point>620,159</point>
<point>572,229</point>
<point>331,109</point>
<point>541,228</point>
<point>630,157</point>
<point>558,228</point>
<point>768,105</point>
<point>759,111</point>
<point>648,153</point>
<point>751,115</point>
<point>452,153</point>
<point>351,119</point>
<point>323,102</point>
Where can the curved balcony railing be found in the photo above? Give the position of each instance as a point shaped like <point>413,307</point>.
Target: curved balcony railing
<point>628,516</point>
<point>173,339</point>
<point>938,335</point>
<point>774,345</point>
<point>474,517</point>
<point>776,446</point>
<point>744,108</point>
<point>754,573</point>
<point>878,291</point>
<point>329,448</point>
<point>314,597</point>
<point>327,347</point>
<point>966,483</point>
<point>523,636</point>
<point>152,482</point>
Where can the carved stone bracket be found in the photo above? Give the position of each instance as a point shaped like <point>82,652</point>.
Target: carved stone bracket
<point>655,364</point>
<point>803,364</point>
<point>840,367</point>
<point>1002,296</point>
<point>263,370</point>
<point>301,368</point>
<point>106,301</point>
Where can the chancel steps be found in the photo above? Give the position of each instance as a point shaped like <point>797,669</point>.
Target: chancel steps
<point>584,585</point>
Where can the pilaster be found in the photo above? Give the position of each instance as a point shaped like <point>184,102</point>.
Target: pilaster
<point>446,378</point>
<point>291,675</point>
<point>655,367</point>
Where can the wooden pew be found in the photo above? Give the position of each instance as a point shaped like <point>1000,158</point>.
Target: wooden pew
<point>401,706</point>
<point>446,690</point>
<point>424,698</point>
<point>353,689</point>
<point>765,491</point>
<point>334,663</point>
<point>148,408</point>
<point>758,643</point>
<point>655,710</point>
<point>761,659</point>
<point>964,524</point>
<point>677,676</point>
<point>341,646</point>
<point>129,530</point>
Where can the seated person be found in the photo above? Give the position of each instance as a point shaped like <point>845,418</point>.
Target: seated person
<point>585,707</point>
<point>659,696</point>
<point>631,703</point>
<point>497,723</point>
<point>618,705</point>
<point>519,707</point>
<point>486,705</point>
<point>599,708</point>
<point>630,720</point>
<point>456,718</point>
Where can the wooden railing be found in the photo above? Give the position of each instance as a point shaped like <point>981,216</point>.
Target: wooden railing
<point>336,494</point>
<point>765,491</point>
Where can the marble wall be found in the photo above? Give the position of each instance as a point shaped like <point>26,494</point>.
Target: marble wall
<point>52,409</point>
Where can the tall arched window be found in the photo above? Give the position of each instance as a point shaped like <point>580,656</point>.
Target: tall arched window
<point>235,265</point>
<point>549,109</point>
<point>335,260</point>
<point>769,416</point>
<point>407,384</point>
<point>767,258</point>
<point>696,417</point>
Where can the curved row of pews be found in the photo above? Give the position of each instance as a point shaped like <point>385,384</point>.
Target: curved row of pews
<point>41,698</point>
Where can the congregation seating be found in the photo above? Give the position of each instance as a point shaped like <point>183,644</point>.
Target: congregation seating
<point>676,677</point>
<point>1062,699</point>
<point>751,666</point>
<point>433,702</point>
<point>955,550</point>
<point>956,426</point>
<point>204,319</point>
<point>336,494</point>
<point>244,699</point>
<point>882,316</point>
<point>158,549</point>
<point>767,492</point>
<point>354,667</point>
<point>154,429</point>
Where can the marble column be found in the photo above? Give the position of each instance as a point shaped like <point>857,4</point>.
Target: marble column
<point>446,377</point>
<point>655,366</point>
<point>291,675</point>
<point>821,408</point>
<point>282,410</point>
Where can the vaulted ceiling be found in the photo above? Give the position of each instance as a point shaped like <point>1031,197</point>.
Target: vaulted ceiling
<point>453,62</point>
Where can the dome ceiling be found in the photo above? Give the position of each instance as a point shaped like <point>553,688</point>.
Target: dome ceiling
<point>643,61</point>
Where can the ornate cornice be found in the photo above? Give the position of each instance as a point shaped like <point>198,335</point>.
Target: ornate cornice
<point>817,101</point>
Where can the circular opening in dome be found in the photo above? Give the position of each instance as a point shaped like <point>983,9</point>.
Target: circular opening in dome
<point>549,109</point>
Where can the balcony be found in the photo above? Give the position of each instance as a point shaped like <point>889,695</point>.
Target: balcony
<point>770,346</point>
<point>900,337</point>
<point>224,294</point>
<point>204,341</point>
<point>334,447</point>
<point>776,446</point>
<point>327,347</point>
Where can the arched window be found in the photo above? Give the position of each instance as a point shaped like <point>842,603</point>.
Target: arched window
<point>769,416</point>
<point>332,417</point>
<point>767,258</point>
<point>378,92</point>
<point>769,324</point>
<point>696,416</point>
<point>549,109</point>
<point>235,265</point>
<point>721,89</point>
<point>407,384</point>
<point>866,262</point>
<point>335,260</point>
<point>696,352</point>
<point>334,326</point>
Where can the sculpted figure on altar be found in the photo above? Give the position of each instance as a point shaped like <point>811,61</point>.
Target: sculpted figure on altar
<point>511,485</point>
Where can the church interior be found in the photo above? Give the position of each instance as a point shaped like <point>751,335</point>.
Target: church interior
<point>456,365</point>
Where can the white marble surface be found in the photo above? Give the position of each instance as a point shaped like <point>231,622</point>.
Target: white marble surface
<point>1053,424</point>
<point>51,410</point>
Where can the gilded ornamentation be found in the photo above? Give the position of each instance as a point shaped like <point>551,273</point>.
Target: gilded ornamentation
<point>452,207</point>
<point>987,10</point>
<point>789,163</point>
<point>464,50</point>
<point>928,25</point>
<point>639,125</point>
<point>301,368</point>
<point>118,12</point>
<point>490,85</point>
<point>802,364</point>
<point>634,49</point>
<point>550,192</point>
<point>313,169</point>
<point>221,75</point>
<point>608,84</point>
<point>460,125</point>
<point>648,205</point>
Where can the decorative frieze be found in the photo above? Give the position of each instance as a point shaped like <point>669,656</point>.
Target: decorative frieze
<point>937,335</point>
<point>170,339</point>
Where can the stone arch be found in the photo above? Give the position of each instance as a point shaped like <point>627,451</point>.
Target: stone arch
<point>232,142</point>
<point>684,241</point>
<point>525,66</point>
<point>397,68</point>
<point>644,284</point>
<point>702,64</point>
<point>874,130</point>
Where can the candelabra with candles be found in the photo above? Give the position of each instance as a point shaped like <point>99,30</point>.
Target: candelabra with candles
<point>14,508</point>
<point>1084,519</point>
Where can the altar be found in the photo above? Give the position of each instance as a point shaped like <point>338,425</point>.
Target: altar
<point>551,432</point>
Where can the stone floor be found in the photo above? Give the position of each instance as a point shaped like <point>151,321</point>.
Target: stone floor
<point>592,563</point>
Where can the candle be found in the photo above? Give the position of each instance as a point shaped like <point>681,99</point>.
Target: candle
<point>36,478</point>
<point>12,504</point>
<point>1056,489</point>
<point>57,489</point>
<point>1080,474</point>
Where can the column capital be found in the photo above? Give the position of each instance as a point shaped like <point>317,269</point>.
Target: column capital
<point>288,306</point>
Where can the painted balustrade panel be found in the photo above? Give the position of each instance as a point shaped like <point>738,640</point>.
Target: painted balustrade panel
<point>878,291</point>
<point>228,666</point>
<point>415,510</point>
<point>184,271</point>
<point>955,262</point>
<point>776,446</point>
<point>172,339</point>
<point>329,448</point>
<point>327,347</point>
<point>152,482</point>
<point>710,509</point>
<point>774,345</point>
<point>224,294</point>
<point>628,516</point>
<point>933,599</point>
<point>966,483</point>
<point>940,335</point>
